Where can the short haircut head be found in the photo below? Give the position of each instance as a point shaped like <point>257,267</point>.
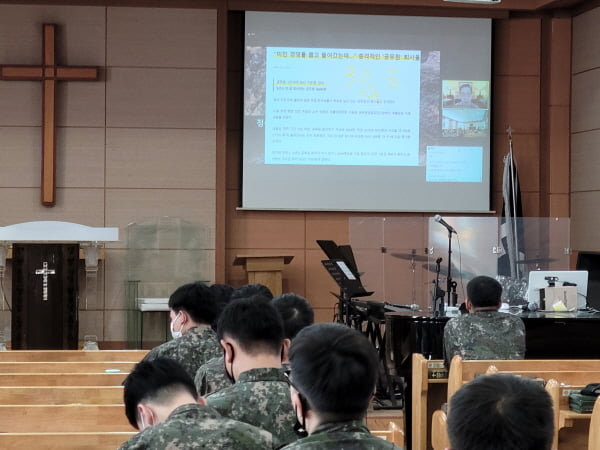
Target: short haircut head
<point>466,86</point>
<point>335,367</point>
<point>484,291</point>
<point>222,293</point>
<point>197,300</point>
<point>501,412</point>
<point>295,311</point>
<point>249,290</point>
<point>154,381</point>
<point>253,323</point>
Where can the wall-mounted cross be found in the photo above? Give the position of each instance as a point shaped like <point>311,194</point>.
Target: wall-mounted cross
<point>48,73</point>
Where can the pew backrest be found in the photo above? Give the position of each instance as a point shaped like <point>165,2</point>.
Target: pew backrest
<point>61,379</point>
<point>72,355</point>
<point>62,418</point>
<point>66,367</point>
<point>65,441</point>
<point>60,395</point>
<point>462,371</point>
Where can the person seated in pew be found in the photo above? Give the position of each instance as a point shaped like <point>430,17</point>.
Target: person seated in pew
<point>250,331</point>
<point>296,313</point>
<point>211,376</point>
<point>161,401</point>
<point>332,380</point>
<point>485,332</point>
<point>193,309</point>
<point>222,293</point>
<point>501,412</point>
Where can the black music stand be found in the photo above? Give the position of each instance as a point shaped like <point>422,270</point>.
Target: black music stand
<point>350,287</point>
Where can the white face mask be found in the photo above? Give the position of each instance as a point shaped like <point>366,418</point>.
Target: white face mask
<point>176,334</point>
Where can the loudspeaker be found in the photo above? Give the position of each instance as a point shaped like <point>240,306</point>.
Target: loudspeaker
<point>590,261</point>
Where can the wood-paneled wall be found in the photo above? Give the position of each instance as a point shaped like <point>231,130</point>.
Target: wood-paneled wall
<point>585,132</point>
<point>161,133</point>
<point>530,66</point>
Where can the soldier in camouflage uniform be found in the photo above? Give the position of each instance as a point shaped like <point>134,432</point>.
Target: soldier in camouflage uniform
<point>211,376</point>
<point>333,376</point>
<point>251,333</point>
<point>296,313</point>
<point>484,333</point>
<point>161,401</point>
<point>193,310</point>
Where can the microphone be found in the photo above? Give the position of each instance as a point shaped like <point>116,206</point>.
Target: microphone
<point>441,221</point>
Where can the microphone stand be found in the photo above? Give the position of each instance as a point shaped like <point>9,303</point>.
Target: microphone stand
<point>450,285</point>
<point>438,293</point>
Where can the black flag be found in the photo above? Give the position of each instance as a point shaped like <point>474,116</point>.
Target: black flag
<point>511,223</point>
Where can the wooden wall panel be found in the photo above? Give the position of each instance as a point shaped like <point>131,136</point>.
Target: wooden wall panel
<point>585,106</point>
<point>153,37</point>
<point>191,156</point>
<point>585,135</point>
<point>517,47</point>
<point>586,41</point>
<point>585,163</point>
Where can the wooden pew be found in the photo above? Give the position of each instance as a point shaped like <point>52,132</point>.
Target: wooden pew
<point>62,418</point>
<point>569,372</point>
<point>439,431</point>
<point>575,426</point>
<point>60,395</point>
<point>62,379</point>
<point>594,438</point>
<point>66,367</point>
<point>65,441</point>
<point>429,390</point>
<point>72,355</point>
<point>462,371</point>
<point>393,434</point>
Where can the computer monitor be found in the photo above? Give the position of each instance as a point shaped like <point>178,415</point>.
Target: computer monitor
<point>537,281</point>
<point>590,261</point>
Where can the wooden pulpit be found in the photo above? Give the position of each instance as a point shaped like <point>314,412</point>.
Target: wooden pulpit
<point>46,262</point>
<point>44,296</point>
<point>264,269</point>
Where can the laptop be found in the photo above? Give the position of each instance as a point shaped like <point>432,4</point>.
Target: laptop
<point>537,281</point>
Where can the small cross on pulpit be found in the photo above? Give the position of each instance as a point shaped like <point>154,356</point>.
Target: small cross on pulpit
<point>44,271</point>
<point>48,73</point>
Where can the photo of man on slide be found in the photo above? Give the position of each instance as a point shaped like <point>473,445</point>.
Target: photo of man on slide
<point>465,97</point>
<point>465,110</point>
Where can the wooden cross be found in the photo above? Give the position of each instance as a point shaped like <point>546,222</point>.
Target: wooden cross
<point>48,73</point>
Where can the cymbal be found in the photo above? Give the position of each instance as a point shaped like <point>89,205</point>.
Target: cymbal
<point>410,256</point>
<point>535,260</point>
<point>456,274</point>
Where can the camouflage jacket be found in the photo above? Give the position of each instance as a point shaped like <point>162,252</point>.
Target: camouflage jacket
<point>260,397</point>
<point>352,435</point>
<point>211,377</point>
<point>485,335</point>
<point>195,426</point>
<point>191,350</point>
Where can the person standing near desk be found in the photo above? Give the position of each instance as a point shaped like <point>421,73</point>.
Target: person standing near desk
<point>485,332</point>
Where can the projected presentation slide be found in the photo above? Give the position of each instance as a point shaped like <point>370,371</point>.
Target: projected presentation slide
<point>319,97</point>
<point>370,107</point>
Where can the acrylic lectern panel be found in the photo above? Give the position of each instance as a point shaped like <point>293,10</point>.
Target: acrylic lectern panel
<point>163,253</point>
<point>391,254</point>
